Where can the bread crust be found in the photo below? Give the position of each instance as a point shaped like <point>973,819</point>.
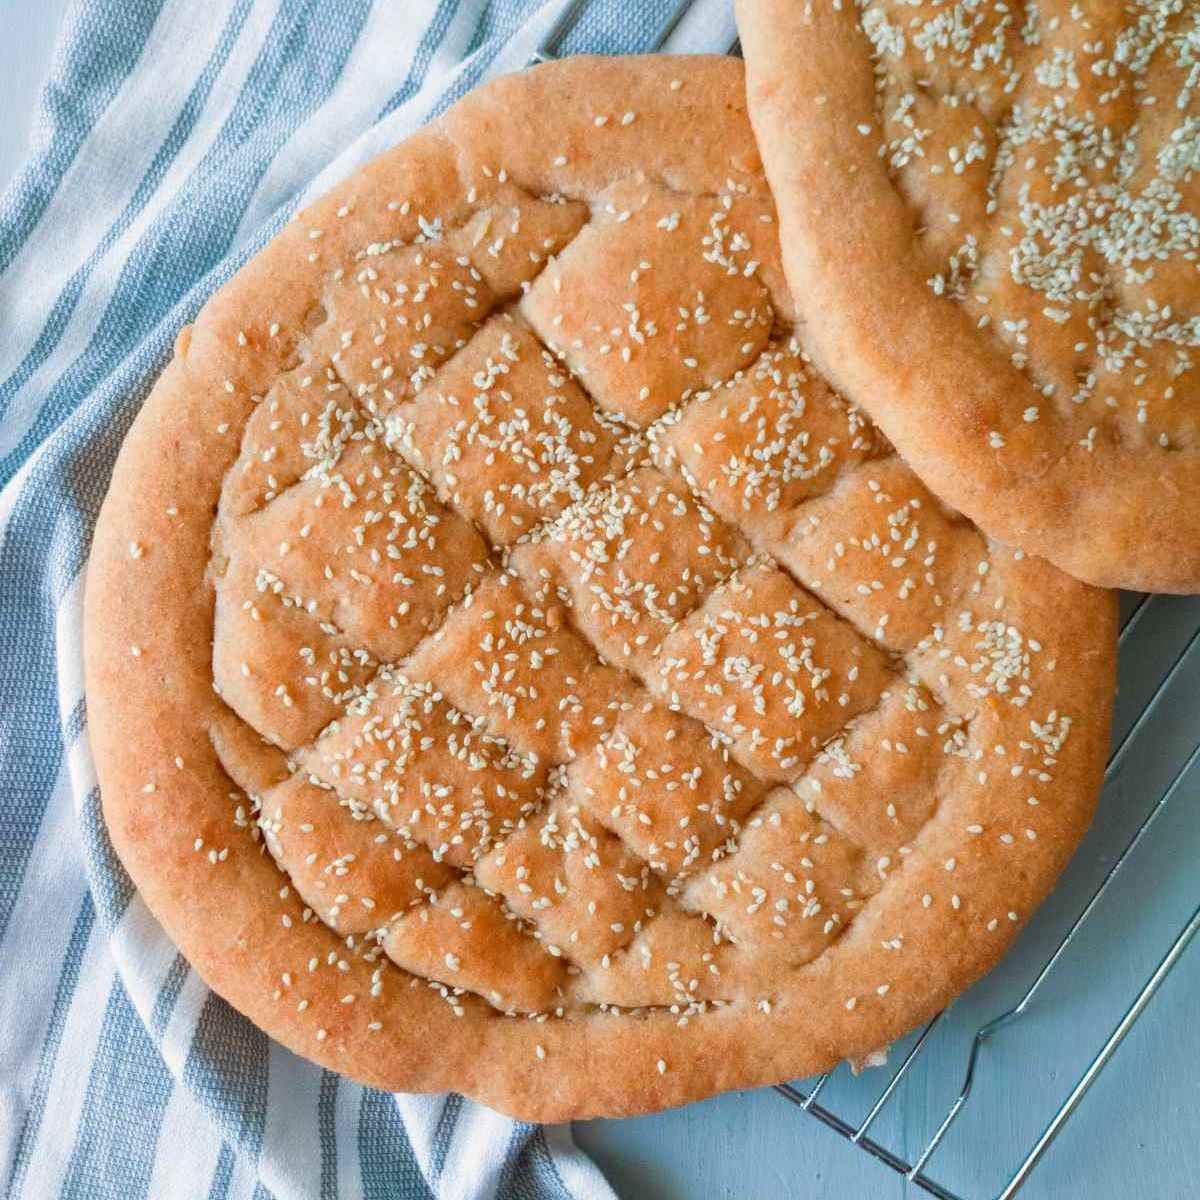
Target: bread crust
<point>177,765</point>
<point>1102,475</point>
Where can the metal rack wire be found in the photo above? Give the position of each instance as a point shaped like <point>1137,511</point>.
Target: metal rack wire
<point>857,1132</point>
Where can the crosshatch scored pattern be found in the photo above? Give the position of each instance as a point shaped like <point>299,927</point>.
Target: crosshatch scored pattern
<point>602,829</point>
<point>581,650</point>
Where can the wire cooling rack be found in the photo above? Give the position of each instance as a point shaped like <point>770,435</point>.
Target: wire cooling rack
<point>1151,621</point>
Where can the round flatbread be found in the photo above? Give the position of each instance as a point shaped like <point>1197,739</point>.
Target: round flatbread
<point>512,669</point>
<point>997,205</point>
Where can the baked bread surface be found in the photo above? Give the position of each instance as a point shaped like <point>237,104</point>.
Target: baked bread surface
<point>999,207</point>
<point>511,668</point>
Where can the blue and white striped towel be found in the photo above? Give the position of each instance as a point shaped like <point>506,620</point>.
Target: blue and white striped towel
<point>173,139</point>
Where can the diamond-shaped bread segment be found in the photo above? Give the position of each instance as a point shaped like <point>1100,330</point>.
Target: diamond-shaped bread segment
<point>884,553</point>
<point>364,545</point>
<point>507,436</point>
<point>427,769</point>
<point>357,873</point>
<point>513,659</point>
<point>668,787</point>
<point>282,669</point>
<point>511,239</point>
<point>401,310</point>
<point>878,781</point>
<point>466,939</point>
<point>772,668</point>
<point>658,297</point>
<point>397,315</point>
<point>632,559</point>
<point>305,419</point>
<point>681,962</point>
<point>574,880</point>
<point>775,435</point>
<point>794,885</point>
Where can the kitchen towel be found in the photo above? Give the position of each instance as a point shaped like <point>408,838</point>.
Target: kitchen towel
<point>172,139</point>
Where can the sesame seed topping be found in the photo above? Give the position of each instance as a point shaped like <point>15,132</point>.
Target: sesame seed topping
<point>589,638</point>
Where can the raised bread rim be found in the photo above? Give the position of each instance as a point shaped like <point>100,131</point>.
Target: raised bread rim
<point>147,712</point>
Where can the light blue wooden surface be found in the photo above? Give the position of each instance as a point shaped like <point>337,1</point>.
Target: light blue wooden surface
<point>1136,1135</point>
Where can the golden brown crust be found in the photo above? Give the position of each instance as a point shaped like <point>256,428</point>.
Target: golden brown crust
<point>1010,299</point>
<point>209,808</point>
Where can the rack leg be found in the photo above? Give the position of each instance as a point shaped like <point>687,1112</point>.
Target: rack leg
<point>1105,1053</point>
